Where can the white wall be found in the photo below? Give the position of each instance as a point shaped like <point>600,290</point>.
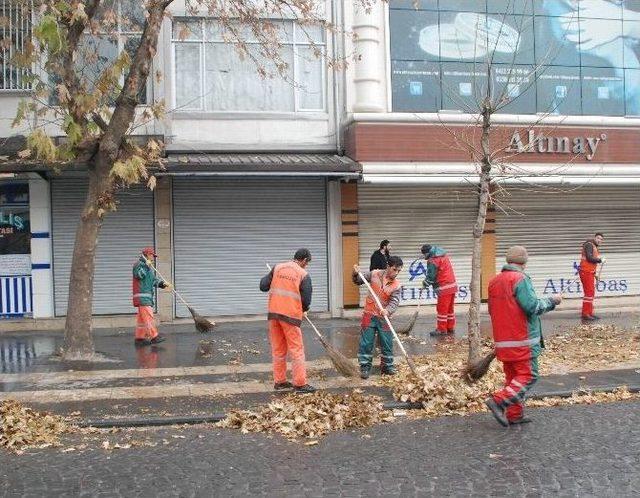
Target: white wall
<point>41,272</point>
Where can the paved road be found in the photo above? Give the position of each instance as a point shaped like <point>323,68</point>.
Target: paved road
<point>567,451</point>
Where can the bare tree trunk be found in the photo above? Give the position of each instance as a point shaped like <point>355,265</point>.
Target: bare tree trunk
<point>473,331</point>
<point>78,340</point>
<point>476,267</point>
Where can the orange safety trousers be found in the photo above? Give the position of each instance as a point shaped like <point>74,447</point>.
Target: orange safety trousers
<point>446,315</point>
<point>287,338</point>
<point>145,323</point>
<point>588,280</point>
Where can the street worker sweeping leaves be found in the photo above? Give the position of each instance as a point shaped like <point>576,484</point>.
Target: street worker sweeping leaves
<point>589,260</point>
<point>440,275</point>
<point>289,287</point>
<point>517,333</point>
<point>144,283</point>
<point>387,287</point>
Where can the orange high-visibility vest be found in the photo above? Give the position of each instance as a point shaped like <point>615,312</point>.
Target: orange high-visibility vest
<point>284,294</point>
<point>586,265</point>
<point>383,289</point>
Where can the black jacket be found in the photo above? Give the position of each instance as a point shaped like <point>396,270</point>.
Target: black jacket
<point>379,261</point>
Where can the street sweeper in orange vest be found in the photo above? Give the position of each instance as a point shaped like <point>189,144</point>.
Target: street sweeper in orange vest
<point>517,333</point>
<point>589,260</point>
<point>388,288</point>
<point>289,287</point>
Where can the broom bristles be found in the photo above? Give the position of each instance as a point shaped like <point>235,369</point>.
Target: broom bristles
<point>473,372</point>
<point>343,365</point>
<point>409,327</point>
<point>202,324</point>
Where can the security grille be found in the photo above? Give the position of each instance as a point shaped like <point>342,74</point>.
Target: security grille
<point>16,27</point>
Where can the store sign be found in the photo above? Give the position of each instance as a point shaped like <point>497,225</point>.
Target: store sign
<point>572,286</point>
<point>417,270</point>
<point>541,143</point>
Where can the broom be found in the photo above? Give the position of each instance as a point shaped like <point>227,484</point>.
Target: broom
<point>406,330</point>
<point>341,363</point>
<point>202,324</point>
<point>410,362</point>
<point>473,372</point>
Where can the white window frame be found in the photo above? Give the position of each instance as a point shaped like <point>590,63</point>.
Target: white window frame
<point>200,109</point>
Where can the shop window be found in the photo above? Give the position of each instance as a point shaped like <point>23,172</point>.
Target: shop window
<point>210,75</point>
<point>15,34</point>
<point>15,229</point>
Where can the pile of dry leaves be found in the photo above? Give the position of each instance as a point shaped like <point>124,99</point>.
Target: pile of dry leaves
<point>587,398</point>
<point>590,347</point>
<point>442,391</point>
<point>22,427</point>
<point>310,416</point>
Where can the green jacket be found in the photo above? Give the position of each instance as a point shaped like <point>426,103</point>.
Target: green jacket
<point>145,282</point>
<point>432,269</point>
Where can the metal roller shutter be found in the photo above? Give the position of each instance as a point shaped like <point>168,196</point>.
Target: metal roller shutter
<point>411,216</point>
<point>552,225</point>
<point>123,234</point>
<point>225,230</point>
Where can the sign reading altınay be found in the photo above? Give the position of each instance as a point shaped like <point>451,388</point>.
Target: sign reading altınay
<point>542,143</point>
<point>15,228</point>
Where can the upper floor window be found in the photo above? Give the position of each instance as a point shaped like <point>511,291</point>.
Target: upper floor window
<point>118,29</point>
<point>15,33</point>
<point>210,75</point>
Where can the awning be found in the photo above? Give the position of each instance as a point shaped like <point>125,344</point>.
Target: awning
<point>421,173</point>
<point>259,164</point>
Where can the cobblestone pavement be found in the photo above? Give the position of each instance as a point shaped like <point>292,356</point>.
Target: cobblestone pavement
<point>567,451</point>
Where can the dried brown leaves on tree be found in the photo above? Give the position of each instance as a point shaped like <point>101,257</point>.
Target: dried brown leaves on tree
<point>22,427</point>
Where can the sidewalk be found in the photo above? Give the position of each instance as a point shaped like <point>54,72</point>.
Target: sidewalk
<point>194,374</point>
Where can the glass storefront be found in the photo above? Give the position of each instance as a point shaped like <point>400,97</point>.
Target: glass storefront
<point>545,56</point>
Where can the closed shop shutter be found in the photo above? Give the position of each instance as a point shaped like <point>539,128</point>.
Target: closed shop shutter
<point>225,230</point>
<point>414,215</point>
<point>552,225</point>
<point>124,233</point>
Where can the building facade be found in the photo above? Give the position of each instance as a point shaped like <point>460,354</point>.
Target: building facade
<point>337,160</point>
<point>562,79</point>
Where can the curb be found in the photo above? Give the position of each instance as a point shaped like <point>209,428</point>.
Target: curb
<point>390,405</point>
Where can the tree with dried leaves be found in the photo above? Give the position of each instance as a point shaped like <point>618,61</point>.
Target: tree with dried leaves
<point>93,100</point>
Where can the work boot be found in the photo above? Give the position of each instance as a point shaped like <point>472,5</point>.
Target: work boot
<point>365,371</point>
<point>437,333</point>
<point>279,386</point>
<point>142,342</point>
<point>521,420</point>
<point>158,339</point>
<point>306,389</point>
<point>497,411</point>
<point>589,318</point>
<point>388,370</point>
<point>451,332</point>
